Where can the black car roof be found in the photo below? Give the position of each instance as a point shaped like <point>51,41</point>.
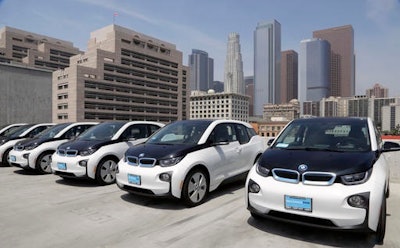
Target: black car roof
<point>350,120</point>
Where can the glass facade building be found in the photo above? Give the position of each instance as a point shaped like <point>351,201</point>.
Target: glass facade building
<point>201,70</point>
<point>314,70</point>
<point>267,59</point>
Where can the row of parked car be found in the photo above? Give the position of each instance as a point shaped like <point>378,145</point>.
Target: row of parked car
<point>322,172</point>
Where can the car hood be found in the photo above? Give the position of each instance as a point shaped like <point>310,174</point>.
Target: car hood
<point>82,145</point>
<point>162,151</point>
<point>33,141</point>
<point>340,163</point>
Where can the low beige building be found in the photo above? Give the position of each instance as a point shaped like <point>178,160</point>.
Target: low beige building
<point>123,75</point>
<point>34,50</point>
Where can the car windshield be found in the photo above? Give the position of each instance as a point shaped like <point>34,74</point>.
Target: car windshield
<point>104,131</point>
<point>339,135</point>
<point>51,132</point>
<point>181,132</point>
<point>9,130</point>
<point>17,132</point>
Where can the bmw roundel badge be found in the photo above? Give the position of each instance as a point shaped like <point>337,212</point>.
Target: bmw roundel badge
<point>302,167</point>
<point>141,155</point>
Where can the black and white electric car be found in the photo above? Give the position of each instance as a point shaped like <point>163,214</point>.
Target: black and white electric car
<point>26,131</point>
<point>35,153</point>
<point>8,129</point>
<point>95,153</point>
<point>188,159</point>
<point>324,172</point>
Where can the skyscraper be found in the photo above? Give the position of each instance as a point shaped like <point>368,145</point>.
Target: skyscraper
<point>201,70</point>
<point>377,91</point>
<point>314,70</point>
<point>289,76</point>
<point>233,76</point>
<point>249,91</point>
<point>267,59</point>
<point>342,65</point>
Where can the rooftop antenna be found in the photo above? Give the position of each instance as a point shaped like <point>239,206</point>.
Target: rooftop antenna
<point>114,15</point>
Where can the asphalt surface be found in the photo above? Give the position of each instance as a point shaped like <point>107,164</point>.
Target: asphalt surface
<point>47,211</point>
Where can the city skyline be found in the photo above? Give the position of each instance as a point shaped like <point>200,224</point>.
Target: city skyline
<point>375,24</point>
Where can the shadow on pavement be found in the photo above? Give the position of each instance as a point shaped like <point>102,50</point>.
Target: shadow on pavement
<point>176,204</point>
<point>77,182</point>
<point>313,235</point>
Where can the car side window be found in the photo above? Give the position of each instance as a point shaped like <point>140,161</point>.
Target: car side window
<point>137,131</point>
<point>223,133</point>
<point>76,131</point>
<point>241,133</point>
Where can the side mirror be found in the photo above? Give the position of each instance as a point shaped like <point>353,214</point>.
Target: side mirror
<point>389,146</point>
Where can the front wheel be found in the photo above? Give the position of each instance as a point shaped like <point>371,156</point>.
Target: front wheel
<point>106,171</point>
<point>43,163</point>
<point>195,188</point>
<point>5,158</point>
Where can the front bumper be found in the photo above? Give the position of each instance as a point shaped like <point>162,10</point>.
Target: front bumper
<point>69,166</point>
<point>147,181</point>
<point>19,159</point>
<point>329,208</point>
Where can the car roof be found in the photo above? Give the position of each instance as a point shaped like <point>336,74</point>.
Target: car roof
<point>350,120</point>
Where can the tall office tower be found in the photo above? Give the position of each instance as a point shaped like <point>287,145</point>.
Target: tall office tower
<point>233,76</point>
<point>342,66</point>
<point>313,70</point>
<point>249,91</point>
<point>123,75</point>
<point>267,60</point>
<point>201,70</point>
<point>377,91</point>
<point>289,76</point>
<point>218,86</point>
<point>34,50</point>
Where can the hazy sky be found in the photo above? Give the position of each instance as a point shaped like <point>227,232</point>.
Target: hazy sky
<point>205,25</point>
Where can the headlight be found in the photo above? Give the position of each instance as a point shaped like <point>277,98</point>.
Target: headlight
<point>32,146</point>
<point>88,152</point>
<point>170,161</point>
<point>356,178</point>
<point>262,171</point>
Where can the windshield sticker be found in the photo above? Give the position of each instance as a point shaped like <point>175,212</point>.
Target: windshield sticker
<point>282,145</point>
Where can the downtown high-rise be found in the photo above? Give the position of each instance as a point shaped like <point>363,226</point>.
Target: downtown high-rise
<point>201,70</point>
<point>289,76</point>
<point>314,70</point>
<point>342,59</point>
<point>233,76</point>
<point>267,59</point>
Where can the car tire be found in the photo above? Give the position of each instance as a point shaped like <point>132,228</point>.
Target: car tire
<point>195,188</point>
<point>106,171</point>
<point>381,229</point>
<point>4,159</point>
<point>43,163</point>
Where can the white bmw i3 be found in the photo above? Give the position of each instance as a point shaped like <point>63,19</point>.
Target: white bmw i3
<point>324,172</point>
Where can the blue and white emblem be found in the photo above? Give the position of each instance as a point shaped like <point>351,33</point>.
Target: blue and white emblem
<point>141,155</point>
<point>302,167</point>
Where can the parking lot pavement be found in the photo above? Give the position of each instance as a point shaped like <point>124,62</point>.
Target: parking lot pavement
<point>47,211</point>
